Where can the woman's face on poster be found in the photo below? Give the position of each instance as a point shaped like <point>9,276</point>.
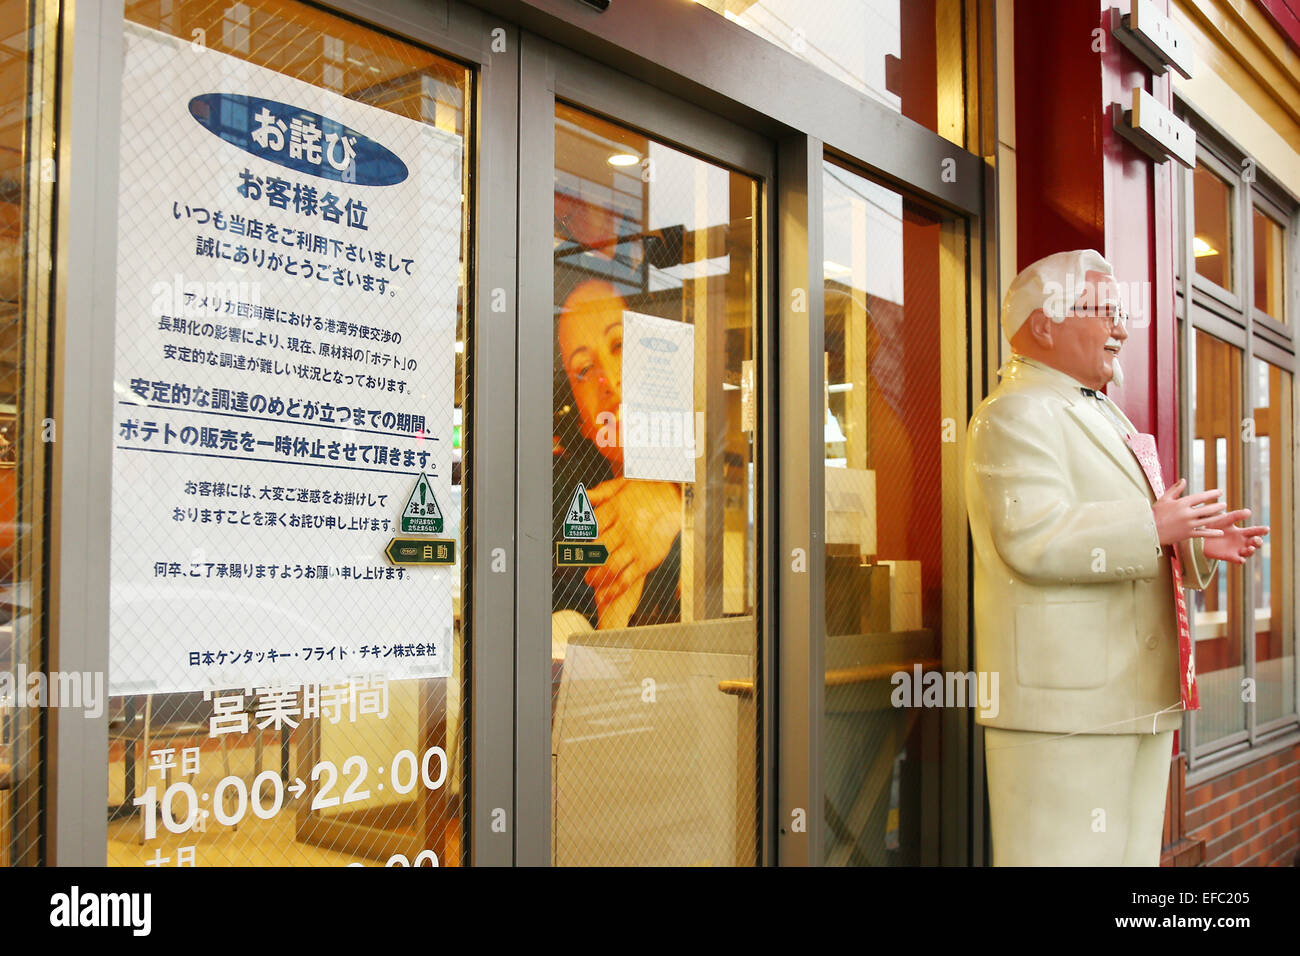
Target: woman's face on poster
<point>590,334</point>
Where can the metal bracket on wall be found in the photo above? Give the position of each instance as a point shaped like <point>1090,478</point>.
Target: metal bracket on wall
<point>1153,38</point>
<point>1153,128</point>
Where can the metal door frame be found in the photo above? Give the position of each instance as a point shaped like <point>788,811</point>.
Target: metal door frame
<point>84,329</point>
<point>645,61</point>
<point>801,114</point>
<point>549,73</point>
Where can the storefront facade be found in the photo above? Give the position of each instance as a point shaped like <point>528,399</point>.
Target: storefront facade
<point>1214,382</point>
<point>297,289</point>
<point>1241,755</point>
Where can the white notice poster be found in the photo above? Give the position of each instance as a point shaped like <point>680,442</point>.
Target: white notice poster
<point>286,314</point>
<point>658,415</point>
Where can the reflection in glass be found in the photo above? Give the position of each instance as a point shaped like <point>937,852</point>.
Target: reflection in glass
<point>27,135</point>
<point>893,284</point>
<point>1216,611</point>
<point>1272,566</point>
<point>1270,271</point>
<point>1212,239</point>
<point>904,55</point>
<point>654,727</point>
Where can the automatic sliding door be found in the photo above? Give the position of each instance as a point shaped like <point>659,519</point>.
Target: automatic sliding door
<point>653,638</point>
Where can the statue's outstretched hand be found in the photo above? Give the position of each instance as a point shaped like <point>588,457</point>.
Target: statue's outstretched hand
<point>1192,516</point>
<point>1236,544</point>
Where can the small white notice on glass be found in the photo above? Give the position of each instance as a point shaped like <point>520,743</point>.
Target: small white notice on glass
<point>658,415</point>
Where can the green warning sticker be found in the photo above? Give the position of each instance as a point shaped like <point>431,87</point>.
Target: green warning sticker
<point>422,514</point>
<point>580,519</point>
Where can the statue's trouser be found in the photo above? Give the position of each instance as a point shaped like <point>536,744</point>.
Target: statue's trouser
<point>1081,800</point>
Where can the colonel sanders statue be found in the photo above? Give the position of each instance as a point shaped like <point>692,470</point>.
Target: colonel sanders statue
<point>1081,556</point>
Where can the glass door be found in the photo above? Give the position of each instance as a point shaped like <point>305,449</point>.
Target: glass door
<point>640,463</point>
<point>896,538</point>
<point>308,650</point>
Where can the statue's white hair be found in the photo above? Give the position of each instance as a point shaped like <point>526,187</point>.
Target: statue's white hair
<point>1054,284</point>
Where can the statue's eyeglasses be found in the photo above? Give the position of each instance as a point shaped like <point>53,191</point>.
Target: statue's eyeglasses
<point>1114,314</point>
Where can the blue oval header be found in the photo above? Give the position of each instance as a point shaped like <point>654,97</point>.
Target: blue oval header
<point>658,344</point>
<point>298,139</point>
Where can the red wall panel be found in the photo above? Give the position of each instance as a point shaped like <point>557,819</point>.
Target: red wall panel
<point>1079,185</point>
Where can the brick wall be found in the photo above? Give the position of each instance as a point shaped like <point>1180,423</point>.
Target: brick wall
<point>1249,816</point>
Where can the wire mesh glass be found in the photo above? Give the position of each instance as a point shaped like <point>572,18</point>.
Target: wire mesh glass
<point>895,310</point>
<point>28,38</point>
<point>653,636</point>
<point>288,655</point>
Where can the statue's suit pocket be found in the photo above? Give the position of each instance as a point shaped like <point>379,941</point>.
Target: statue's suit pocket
<point>1061,646</point>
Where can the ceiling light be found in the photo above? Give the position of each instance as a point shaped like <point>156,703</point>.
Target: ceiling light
<point>1202,248</point>
<point>623,159</point>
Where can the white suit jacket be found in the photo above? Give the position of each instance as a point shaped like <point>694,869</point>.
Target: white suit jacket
<point>1074,601</point>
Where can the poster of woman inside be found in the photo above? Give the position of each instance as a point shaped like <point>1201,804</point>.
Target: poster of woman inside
<point>638,521</point>
<point>653,336</point>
